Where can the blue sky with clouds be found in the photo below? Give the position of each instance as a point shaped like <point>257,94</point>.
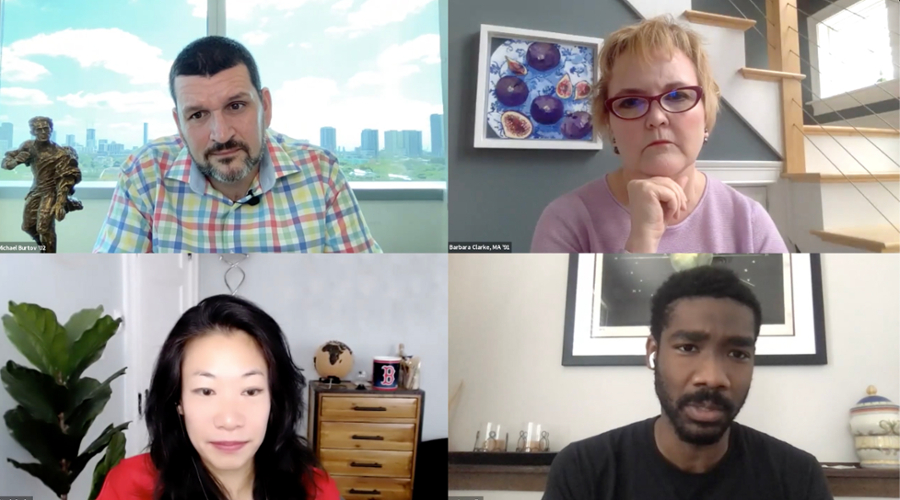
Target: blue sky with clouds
<point>349,64</point>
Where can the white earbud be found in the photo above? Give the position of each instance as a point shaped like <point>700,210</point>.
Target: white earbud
<point>653,361</point>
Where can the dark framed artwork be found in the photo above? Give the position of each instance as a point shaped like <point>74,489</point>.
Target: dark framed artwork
<point>608,305</point>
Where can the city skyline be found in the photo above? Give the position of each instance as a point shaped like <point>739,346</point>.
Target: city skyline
<point>51,66</point>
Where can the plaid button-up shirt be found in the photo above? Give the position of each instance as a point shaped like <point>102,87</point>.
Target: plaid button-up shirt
<point>163,203</point>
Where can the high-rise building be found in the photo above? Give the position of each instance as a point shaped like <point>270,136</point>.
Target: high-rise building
<point>70,140</point>
<point>328,138</point>
<point>6,130</point>
<point>412,143</point>
<point>102,146</point>
<point>437,135</point>
<point>145,133</point>
<point>369,141</point>
<point>53,137</point>
<point>393,142</point>
<point>90,144</point>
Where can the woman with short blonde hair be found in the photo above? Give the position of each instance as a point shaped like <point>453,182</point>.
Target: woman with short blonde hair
<point>656,101</point>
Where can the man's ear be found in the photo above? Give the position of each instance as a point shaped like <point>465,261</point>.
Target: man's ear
<point>652,352</point>
<point>267,107</point>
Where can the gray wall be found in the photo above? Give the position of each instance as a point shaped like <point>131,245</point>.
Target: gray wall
<point>498,195</point>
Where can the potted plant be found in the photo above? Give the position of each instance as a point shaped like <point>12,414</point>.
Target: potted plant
<point>56,405</point>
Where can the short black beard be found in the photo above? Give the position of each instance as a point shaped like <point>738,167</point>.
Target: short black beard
<point>711,433</point>
<point>207,169</point>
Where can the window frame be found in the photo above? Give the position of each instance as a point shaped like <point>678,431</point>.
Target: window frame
<point>863,94</point>
<point>364,190</point>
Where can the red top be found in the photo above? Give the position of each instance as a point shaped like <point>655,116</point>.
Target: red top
<point>134,479</point>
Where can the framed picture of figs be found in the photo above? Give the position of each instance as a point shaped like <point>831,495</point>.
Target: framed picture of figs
<point>535,90</point>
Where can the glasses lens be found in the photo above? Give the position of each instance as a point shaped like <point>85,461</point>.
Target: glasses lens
<point>679,100</point>
<point>630,107</point>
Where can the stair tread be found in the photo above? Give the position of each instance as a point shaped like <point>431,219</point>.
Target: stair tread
<point>836,178</point>
<point>872,238</point>
<point>857,131</point>
<point>699,17</point>
<point>769,75</point>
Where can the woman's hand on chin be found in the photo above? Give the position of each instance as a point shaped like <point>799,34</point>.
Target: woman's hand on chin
<point>655,204</point>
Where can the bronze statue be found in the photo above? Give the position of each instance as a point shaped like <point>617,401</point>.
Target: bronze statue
<point>55,170</point>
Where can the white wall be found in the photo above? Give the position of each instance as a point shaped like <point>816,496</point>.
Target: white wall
<point>372,303</point>
<point>65,284</point>
<point>506,319</point>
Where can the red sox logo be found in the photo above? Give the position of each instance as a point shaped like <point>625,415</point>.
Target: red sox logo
<point>388,375</point>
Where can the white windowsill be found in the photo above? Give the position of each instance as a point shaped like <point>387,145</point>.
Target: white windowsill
<point>866,95</point>
<point>364,191</point>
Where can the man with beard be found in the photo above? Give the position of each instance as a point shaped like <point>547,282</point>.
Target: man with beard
<point>703,329</point>
<point>226,183</point>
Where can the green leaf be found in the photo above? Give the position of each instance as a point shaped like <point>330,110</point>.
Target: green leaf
<point>37,392</point>
<point>80,322</point>
<point>43,332</point>
<point>30,346</point>
<point>81,418</point>
<point>88,349</point>
<point>86,388</point>
<point>114,454</point>
<point>96,447</point>
<point>55,479</point>
<point>45,442</point>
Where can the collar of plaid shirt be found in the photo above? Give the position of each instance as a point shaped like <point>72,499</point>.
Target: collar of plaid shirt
<point>306,205</point>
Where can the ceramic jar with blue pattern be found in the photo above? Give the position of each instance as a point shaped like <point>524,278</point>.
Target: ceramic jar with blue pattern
<point>875,424</point>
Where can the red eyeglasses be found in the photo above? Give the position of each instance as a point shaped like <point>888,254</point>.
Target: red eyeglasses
<point>632,107</point>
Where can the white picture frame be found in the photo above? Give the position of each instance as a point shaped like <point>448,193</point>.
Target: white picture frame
<point>799,341</point>
<point>489,32</point>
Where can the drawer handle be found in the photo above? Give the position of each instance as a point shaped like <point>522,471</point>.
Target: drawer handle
<point>369,438</point>
<point>369,408</point>
<point>354,491</point>
<point>373,465</point>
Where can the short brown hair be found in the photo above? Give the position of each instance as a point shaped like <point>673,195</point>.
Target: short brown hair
<point>646,39</point>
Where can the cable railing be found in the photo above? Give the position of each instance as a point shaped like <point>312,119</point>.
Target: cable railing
<point>824,128</point>
<point>843,119</point>
<point>825,103</point>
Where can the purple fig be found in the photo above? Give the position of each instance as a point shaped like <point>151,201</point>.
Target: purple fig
<point>542,56</point>
<point>516,125</point>
<point>576,125</point>
<point>546,109</point>
<point>516,67</point>
<point>511,91</point>
<point>582,90</point>
<point>564,87</point>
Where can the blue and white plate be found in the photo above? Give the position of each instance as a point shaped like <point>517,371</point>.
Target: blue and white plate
<point>575,61</point>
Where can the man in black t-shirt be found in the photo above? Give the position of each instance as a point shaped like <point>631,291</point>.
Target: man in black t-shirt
<point>703,329</point>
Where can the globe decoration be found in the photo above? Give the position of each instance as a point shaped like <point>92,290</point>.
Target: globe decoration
<point>333,361</point>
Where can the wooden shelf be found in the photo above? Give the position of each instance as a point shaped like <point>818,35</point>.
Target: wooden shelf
<point>769,75</point>
<point>528,472</point>
<point>838,178</point>
<point>849,131</point>
<point>879,239</point>
<point>738,23</point>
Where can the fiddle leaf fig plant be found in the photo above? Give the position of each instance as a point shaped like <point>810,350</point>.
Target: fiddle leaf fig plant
<point>56,405</point>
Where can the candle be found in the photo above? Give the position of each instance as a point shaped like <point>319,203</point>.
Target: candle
<point>528,439</point>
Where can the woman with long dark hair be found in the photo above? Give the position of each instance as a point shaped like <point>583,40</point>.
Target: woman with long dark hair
<point>222,413</point>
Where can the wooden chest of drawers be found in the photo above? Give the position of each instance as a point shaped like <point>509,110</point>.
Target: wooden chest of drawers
<point>366,440</point>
